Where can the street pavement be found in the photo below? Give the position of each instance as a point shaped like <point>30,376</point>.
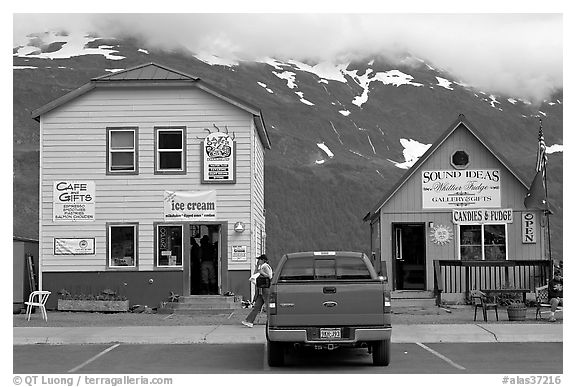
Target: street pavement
<point>238,334</point>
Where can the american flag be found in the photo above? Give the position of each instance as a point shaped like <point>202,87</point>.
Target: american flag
<point>542,158</point>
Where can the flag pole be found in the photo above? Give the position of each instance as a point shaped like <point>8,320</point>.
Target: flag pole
<point>547,213</point>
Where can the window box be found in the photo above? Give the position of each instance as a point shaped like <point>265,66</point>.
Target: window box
<point>93,306</point>
<point>106,301</point>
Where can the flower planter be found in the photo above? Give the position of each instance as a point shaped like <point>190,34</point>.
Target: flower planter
<point>517,314</point>
<point>93,306</point>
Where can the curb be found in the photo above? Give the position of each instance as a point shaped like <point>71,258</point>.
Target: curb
<point>232,334</point>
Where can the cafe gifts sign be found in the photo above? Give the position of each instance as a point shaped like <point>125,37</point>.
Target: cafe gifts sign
<point>471,188</point>
<point>199,205</point>
<point>73,201</point>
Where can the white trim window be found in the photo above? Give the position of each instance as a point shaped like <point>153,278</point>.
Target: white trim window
<point>122,150</point>
<point>169,245</point>
<point>122,245</point>
<point>170,150</point>
<point>483,242</point>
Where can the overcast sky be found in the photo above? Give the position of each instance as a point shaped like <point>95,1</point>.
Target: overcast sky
<point>515,54</point>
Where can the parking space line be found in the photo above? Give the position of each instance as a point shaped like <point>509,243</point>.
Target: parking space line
<point>93,358</point>
<point>441,356</point>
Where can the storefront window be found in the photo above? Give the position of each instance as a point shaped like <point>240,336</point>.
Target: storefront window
<point>122,245</point>
<point>169,246</point>
<point>495,242</point>
<point>483,242</point>
<point>471,242</point>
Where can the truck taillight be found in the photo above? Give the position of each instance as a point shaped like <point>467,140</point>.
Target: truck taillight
<point>387,305</point>
<point>272,303</point>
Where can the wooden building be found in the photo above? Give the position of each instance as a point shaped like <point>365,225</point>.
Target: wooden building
<point>456,221</point>
<point>145,175</point>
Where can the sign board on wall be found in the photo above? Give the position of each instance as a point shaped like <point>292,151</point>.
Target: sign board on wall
<point>199,205</point>
<point>473,188</point>
<point>74,246</point>
<point>528,227</point>
<point>218,159</point>
<point>239,253</point>
<point>73,201</point>
<point>503,215</point>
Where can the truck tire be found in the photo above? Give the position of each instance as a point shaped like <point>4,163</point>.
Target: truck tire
<point>275,354</point>
<point>381,353</point>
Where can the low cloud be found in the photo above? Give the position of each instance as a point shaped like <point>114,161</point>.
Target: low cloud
<point>514,54</point>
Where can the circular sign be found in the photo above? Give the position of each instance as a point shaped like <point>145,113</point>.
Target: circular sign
<point>441,235</point>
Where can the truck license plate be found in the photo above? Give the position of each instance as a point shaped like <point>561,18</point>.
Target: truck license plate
<point>330,333</point>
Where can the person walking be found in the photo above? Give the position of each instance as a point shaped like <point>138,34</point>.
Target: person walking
<point>263,269</point>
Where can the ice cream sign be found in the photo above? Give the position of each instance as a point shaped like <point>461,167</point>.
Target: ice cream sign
<point>198,205</point>
<point>74,201</point>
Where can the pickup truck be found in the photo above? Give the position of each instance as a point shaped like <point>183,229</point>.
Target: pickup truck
<point>326,300</point>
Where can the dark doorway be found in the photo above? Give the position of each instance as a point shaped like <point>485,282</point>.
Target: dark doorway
<point>409,248</point>
<point>204,258</point>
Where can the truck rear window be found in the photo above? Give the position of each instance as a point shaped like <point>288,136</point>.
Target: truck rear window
<point>316,268</point>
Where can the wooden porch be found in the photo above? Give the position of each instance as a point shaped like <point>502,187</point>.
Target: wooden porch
<point>455,276</point>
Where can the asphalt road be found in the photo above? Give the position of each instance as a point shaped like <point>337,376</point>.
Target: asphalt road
<point>410,358</point>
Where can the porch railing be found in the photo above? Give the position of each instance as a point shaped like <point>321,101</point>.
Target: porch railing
<point>455,276</point>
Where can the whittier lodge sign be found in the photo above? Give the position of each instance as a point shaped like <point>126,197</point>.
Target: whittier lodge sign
<point>474,188</point>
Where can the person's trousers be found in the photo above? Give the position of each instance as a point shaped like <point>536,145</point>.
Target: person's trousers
<point>261,298</point>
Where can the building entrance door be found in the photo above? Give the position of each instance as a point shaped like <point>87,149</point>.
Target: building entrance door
<point>409,245</point>
<point>205,258</point>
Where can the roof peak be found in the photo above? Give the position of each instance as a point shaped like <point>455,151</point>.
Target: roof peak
<point>146,72</point>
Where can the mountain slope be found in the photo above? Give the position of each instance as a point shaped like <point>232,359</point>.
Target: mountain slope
<point>341,134</point>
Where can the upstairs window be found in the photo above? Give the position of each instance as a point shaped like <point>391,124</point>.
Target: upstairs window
<point>170,150</point>
<point>122,151</point>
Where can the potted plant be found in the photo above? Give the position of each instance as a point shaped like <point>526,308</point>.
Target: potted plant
<point>106,301</point>
<point>516,311</point>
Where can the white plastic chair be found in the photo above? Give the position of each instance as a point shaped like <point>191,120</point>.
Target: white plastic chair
<point>37,298</point>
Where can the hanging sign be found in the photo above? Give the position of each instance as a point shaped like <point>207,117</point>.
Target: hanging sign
<point>474,188</point>
<point>74,246</point>
<point>73,201</point>
<point>219,159</point>
<point>199,205</point>
<point>528,227</point>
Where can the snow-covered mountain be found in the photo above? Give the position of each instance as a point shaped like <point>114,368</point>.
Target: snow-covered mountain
<point>336,127</point>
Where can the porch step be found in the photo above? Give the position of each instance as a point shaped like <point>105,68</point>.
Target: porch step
<point>408,298</point>
<point>198,304</point>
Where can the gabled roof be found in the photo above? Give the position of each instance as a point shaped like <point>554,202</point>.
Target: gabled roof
<point>153,75</point>
<point>146,72</point>
<point>456,124</point>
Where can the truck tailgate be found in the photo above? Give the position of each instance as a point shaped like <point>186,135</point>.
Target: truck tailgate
<point>329,303</point>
